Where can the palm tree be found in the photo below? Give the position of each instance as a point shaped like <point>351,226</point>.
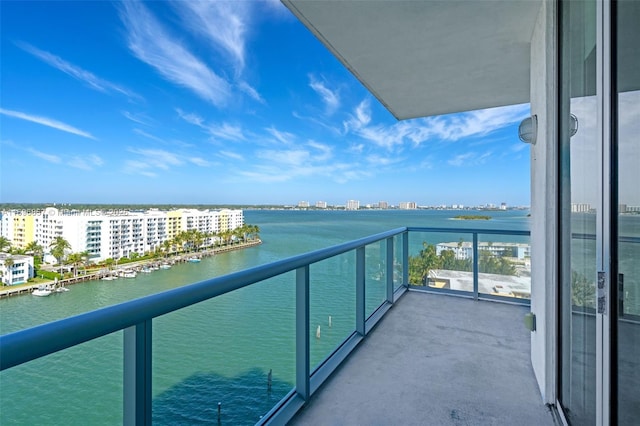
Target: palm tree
<point>5,244</point>
<point>75,259</point>
<point>8,263</point>
<point>58,248</point>
<point>35,249</point>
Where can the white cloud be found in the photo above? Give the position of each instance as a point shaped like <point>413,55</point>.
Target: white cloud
<point>85,163</point>
<point>231,155</point>
<point>58,125</point>
<point>330,98</point>
<point>192,118</point>
<point>138,118</point>
<point>158,158</point>
<point>252,92</point>
<point>78,73</point>
<point>51,158</point>
<point>223,24</point>
<point>226,131</point>
<point>469,159</point>
<point>148,135</point>
<point>284,137</point>
<point>138,167</point>
<point>150,43</point>
<point>450,127</point>
<point>199,161</point>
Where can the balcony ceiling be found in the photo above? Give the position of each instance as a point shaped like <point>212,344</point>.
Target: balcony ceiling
<point>423,58</point>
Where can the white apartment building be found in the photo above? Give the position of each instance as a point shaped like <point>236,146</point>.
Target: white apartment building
<point>353,205</point>
<point>321,204</point>
<point>464,250</point>
<point>112,233</point>
<point>408,205</point>
<point>17,271</point>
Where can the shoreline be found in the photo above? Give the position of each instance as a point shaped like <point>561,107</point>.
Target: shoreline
<point>20,289</point>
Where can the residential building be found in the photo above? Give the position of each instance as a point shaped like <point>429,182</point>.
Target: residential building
<point>15,268</point>
<point>112,234</point>
<point>383,205</point>
<point>353,205</point>
<point>303,204</point>
<point>464,249</point>
<point>408,205</point>
<point>321,204</point>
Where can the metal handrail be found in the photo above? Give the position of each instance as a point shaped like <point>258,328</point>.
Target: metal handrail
<point>26,345</point>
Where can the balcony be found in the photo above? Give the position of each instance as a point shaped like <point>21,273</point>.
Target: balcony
<point>388,352</point>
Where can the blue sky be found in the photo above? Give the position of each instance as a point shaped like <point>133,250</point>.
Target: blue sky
<point>222,102</point>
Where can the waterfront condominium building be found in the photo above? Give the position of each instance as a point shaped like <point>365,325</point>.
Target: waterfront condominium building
<point>15,268</point>
<point>353,205</point>
<point>408,205</point>
<point>112,233</point>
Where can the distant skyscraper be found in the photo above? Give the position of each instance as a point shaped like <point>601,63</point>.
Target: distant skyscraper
<point>353,205</point>
<point>383,205</point>
<point>321,204</point>
<point>408,205</point>
<point>303,204</point>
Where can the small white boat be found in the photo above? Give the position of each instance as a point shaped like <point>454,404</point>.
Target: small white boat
<point>109,278</point>
<point>61,289</point>
<point>42,290</point>
<point>128,274</point>
<point>193,260</point>
<point>165,266</point>
<point>145,270</point>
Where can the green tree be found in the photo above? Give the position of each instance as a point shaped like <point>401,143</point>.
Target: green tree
<point>5,244</point>
<point>109,263</point>
<point>58,248</point>
<point>420,265</point>
<point>35,250</point>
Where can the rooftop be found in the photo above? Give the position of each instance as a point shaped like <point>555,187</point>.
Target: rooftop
<point>437,360</point>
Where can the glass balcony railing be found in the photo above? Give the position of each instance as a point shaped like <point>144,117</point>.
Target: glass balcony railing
<point>310,311</point>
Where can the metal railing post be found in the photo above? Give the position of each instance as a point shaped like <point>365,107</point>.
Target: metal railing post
<point>302,333</point>
<point>137,374</point>
<point>390,271</point>
<point>475,265</point>
<point>405,259</point>
<point>360,294</point>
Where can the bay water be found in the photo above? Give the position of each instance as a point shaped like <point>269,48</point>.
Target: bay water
<point>221,350</point>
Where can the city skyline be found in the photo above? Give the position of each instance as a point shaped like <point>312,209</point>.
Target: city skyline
<point>222,103</point>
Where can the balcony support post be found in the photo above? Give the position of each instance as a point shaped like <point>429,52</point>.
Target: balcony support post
<point>475,265</point>
<point>302,333</point>
<point>390,266</point>
<point>405,259</point>
<point>137,374</point>
<point>360,293</point>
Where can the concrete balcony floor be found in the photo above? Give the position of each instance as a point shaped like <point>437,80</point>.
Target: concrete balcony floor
<point>436,360</point>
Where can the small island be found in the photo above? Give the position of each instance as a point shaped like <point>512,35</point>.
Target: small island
<point>472,217</point>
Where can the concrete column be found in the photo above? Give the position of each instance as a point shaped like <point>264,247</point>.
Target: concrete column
<point>544,209</point>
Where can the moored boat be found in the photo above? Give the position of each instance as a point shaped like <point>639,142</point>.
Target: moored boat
<point>42,290</point>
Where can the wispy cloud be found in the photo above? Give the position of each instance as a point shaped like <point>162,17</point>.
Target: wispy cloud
<point>58,125</point>
<point>469,159</point>
<point>330,97</point>
<point>51,158</point>
<point>223,24</point>
<point>281,136</point>
<point>148,135</point>
<point>78,73</point>
<point>251,91</point>
<point>85,163</point>
<point>450,127</point>
<point>138,118</point>
<point>150,161</point>
<point>231,155</point>
<point>222,130</point>
<point>150,43</point>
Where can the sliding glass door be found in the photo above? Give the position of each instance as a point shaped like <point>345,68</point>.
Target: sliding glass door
<point>580,205</point>
<point>599,196</point>
<point>626,169</point>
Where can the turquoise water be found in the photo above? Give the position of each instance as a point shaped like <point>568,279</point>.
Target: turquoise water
<point>219,351</point>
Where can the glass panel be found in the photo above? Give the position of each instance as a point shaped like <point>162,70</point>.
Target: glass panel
<point>397,262</point>
<point>375,284</point>
<point>579,200</point>
<point>332,305</point>
<point>223,351</point>
<point>81,385</point>
<point>441,260</point>
<point>504,263</point>
<point>628,17</point>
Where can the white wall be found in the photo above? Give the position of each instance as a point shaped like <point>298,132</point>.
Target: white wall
<point>544,252</point>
